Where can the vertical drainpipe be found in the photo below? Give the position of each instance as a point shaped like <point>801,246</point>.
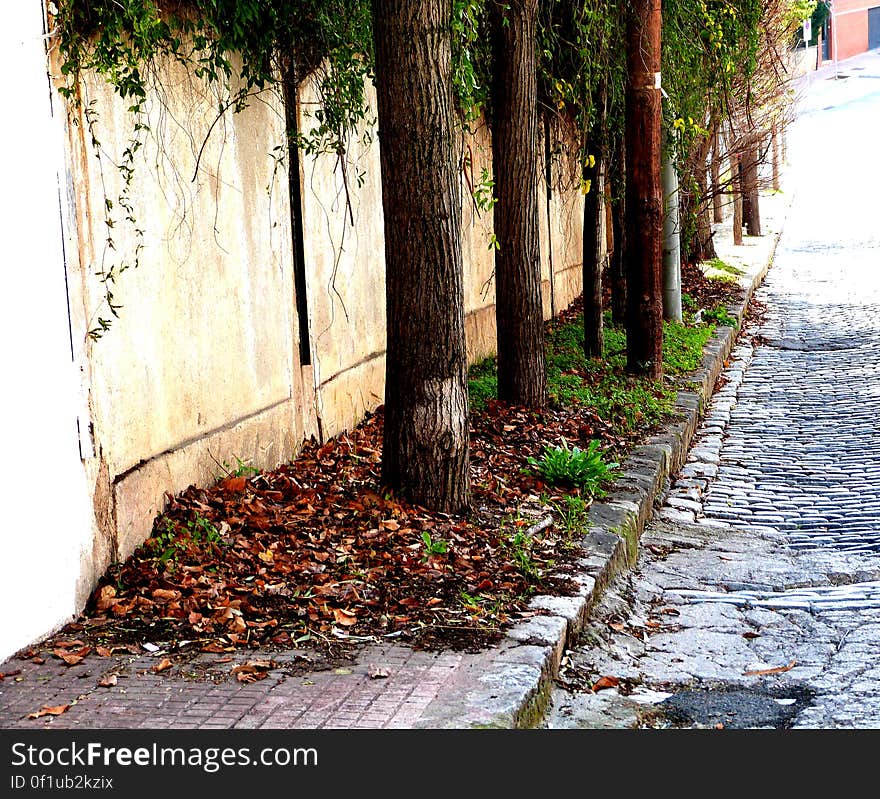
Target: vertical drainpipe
<point>671,241</point>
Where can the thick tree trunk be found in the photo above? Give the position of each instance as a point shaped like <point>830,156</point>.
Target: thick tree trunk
<point>592,234</point>
<point>519,311</point>
<point>644,194</point>
<point>425,453</point>
<point>618,269</point>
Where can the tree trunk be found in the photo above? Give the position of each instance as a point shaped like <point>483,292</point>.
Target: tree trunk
<point>644,195</point>
<point>592,266</point>
<point>736,187</point>
<point>592,233</point>
<point>618,269</point>
<point>425,452</point>
<point>519,311</point>
<point>751,211</point>
<point>715,172</point>
<point>775,156</point>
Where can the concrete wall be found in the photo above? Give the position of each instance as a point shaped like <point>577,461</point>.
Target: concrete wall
<point>199,368</point>
<point>46,522</point>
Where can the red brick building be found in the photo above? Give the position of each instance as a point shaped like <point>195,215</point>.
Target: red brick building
<point>858,27</point>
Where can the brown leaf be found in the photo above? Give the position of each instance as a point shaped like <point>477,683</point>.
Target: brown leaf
<point>751,635</point>
<point>107,681</point>
<point>344,617</point>
<point>46,710</point>
<point>162,665</point>
<point>234,484</point>
<point>605,682</point>
<point>106,598</point>
<point>251,676</point>
<point>103,651</point>
<point>12,673</point>
<point>165,595</point>
<point>616,626</point>
<point>776,670</point>
<point>216,648</point>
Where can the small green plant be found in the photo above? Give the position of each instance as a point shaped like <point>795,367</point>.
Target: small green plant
<point>241,469</point>
<point>573,514</point>
<point>720,315</point>
<point>433,547</point>
<point>580,468</point>
<point>202,531</point>
<point>482,383</point>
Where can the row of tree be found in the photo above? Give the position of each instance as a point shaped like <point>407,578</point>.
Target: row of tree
<point>727,62</point>
<point>594,73</point>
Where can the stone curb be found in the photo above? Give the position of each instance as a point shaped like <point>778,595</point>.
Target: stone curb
<point>509,686</point>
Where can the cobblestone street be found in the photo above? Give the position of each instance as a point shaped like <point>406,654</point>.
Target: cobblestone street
<point>756,600</point>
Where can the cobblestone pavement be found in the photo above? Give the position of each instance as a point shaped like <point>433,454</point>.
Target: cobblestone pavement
<point>756,600</point>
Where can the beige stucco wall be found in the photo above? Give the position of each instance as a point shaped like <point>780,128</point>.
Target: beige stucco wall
<point>199,368</point>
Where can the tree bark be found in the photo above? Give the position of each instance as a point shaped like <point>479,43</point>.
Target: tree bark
<point>618,269</point>
<point>519,311</point>
<point>592,234</point>
<point>736,188</point>
<point>775,156</point>
<point>715,173</point>
<point>751,210</point>
<point>425,452</point>
<point>644,195</point>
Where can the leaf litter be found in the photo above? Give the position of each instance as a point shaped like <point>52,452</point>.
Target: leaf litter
<point>317,554</point>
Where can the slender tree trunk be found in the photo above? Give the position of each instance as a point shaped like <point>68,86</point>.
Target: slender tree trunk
<point>736,188</point>
<point>751,211</point>
<point>775,157</point>
<point>618,226</point>
<point>592,235</point>
<point>644,194</point>
<point>518,305</point>
<point>715,172</point>
<point>425,453</point>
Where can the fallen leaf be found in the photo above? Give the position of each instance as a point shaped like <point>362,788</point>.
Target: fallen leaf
<point>46,710</point>
<point>378,673</point>
<point>251,676</point>
<point>344,617</point>
<point>234,484</point>
<point>776,670</point>
<point>342,671</point>
<point>751,635</point>
<point>106,598</point>
<point>719,726</point>
<point>9,673</point>
<point>162,665</point>
<point>103,651</point>
<point>165,595</point>
<point>605,682</point>
<point>107,681</point>
<point>216,648</point>
<point>617,627</point>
